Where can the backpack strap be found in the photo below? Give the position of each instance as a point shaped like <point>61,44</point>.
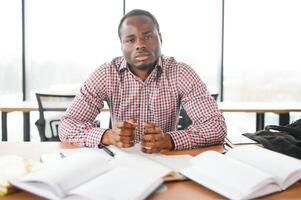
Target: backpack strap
<point>296,133</point>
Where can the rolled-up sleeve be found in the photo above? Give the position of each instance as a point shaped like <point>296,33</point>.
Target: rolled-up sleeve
<point>208,124</point>
<point>76,124</point>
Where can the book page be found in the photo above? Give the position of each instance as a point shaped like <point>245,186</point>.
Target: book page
<point>240,139</point>
<point>58,155</point>
<point>63,176</point>
<point>131,160</point>
<point>12,166</point>
<point>174,162</point>
<point>119,183</point>
<point>226,176</point>
<point>286,170</point>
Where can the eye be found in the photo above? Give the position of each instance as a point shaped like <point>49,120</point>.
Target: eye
<point>130,40</point>
<point>148,36</point>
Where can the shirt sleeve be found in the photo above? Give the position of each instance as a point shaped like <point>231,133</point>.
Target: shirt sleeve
<point>76,125</point>
<point>208,125</point>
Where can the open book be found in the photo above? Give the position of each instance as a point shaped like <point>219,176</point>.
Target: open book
<point>95,175</point>
<point>174,163</point>
<point>244,172</point>
<point>12,166</point>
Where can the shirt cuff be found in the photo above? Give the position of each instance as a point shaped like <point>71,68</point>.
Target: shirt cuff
<point>181,140</point>
<point>94,136</point>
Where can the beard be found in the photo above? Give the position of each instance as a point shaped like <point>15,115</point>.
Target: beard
<point>145,65</point>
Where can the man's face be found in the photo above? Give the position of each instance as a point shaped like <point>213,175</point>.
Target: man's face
<point>140,42</point>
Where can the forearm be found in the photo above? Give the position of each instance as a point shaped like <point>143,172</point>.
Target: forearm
<point>77,123</point>
<point>76,132</point>
<point>200,134</point>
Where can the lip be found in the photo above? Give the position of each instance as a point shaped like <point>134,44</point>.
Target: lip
<point>142,56</point>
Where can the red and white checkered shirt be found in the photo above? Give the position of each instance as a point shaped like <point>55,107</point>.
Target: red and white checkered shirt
<point>157,99</point>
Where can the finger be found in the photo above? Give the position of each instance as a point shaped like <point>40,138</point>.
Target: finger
<point>146,150</point>
<point>148,144</point>
<point>152,130</point>
<point>123,145</point>
<point>148,125</point>
<point>152,144</point>
<point>133,122</point>
<point>123,131</point>
<point>126,124</point>
<point>151,137</point>
<point>150,151</point>
<point>127,140</point>
<point>127,132</point>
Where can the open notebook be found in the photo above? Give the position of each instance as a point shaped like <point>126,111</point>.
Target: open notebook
<point>93,174</point>
<point>12,166</point>
<point>173,162</point>
<point>244,172</point>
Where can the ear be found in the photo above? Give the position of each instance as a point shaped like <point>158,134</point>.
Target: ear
<point>121,46</point>
<point>160,36</point>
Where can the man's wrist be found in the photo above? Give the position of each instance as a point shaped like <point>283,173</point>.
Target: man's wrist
<point>105,139</point>
<point>168,142</point>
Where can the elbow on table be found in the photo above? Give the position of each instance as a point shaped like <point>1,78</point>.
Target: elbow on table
<point>221,133</point>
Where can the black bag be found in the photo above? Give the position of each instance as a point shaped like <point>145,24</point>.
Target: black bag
<point>283,139</point>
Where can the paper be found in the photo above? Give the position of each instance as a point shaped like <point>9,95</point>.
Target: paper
<point>240,139</point>
<point>245,172</point>
<point>12,166</point>
<point>95,175</point>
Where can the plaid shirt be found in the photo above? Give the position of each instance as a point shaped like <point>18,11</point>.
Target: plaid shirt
<point>157,99</point>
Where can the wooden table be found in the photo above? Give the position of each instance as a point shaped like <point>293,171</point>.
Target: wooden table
<point>260,108</point>
<point>21,106</point>
<point>26,108</point>
<point>175,190</point>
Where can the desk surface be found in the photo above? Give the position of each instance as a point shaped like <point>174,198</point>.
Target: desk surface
<point>258,107</point>
<point>27,106</point>
<point>175,190</point>
<point>20,106</point>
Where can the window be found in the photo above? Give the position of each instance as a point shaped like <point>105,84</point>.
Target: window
<point>262,50</point>
<point>10,50</point>
<point>261,56</point>
<point>67,40</point>
<point>191,32</point>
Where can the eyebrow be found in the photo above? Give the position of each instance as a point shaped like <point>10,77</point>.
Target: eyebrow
<point>129,36</point>
<point>144,33</point>
<point>147,32</point>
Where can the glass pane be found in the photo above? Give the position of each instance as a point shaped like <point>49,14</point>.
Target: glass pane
<point>262,50</point>
<point>67,40</point>
<point>191,32</point>
<point>10,50</point>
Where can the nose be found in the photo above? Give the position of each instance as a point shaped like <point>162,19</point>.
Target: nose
<point>140,44</point>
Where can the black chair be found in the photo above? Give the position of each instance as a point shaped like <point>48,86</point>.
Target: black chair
<point>57,104</point>
<point>184,119</point>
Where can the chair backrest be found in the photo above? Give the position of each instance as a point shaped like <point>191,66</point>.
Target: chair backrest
<point>184,119</point>
<point>47,123</point>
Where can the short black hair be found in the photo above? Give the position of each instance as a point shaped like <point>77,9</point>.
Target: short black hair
<point>137,12</point>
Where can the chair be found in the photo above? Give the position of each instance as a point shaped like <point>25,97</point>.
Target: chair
<point>184,119</point>
<point>51,107</point>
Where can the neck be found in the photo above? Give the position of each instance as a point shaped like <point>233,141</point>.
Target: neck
<point>142,73</point>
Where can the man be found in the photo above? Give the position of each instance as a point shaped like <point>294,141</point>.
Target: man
<point>144,91</point>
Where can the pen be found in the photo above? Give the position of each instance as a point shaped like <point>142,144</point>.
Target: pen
<point>106,149</point>
<point>62,155</point>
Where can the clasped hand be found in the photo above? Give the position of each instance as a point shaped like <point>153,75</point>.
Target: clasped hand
<point>153,139</point>
<point>123,134</point>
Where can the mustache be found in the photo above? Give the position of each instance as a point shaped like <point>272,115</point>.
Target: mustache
<point>141,52</point>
